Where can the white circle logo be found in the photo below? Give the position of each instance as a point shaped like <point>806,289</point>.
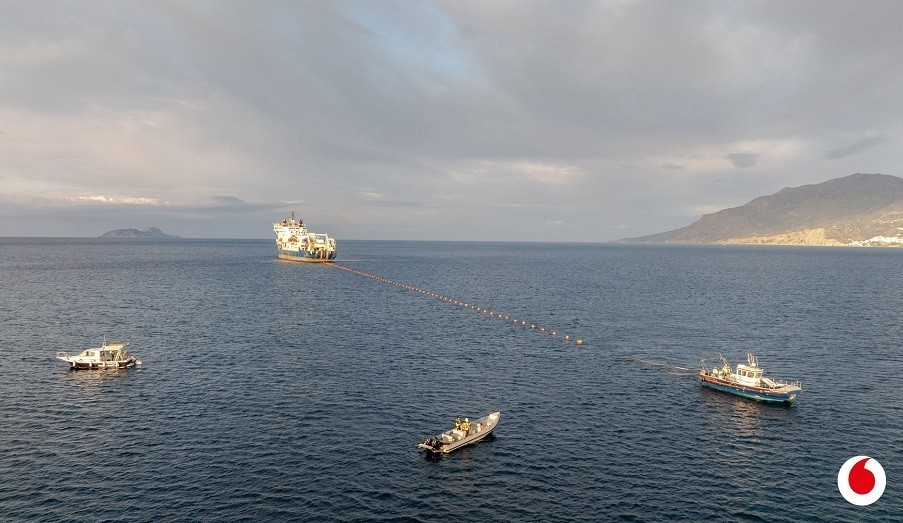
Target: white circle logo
<point>861,480</point>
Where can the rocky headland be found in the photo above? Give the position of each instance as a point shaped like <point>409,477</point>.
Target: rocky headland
<point>861,210</point>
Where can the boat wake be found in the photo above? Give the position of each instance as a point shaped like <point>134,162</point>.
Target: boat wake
<point>668,368</point>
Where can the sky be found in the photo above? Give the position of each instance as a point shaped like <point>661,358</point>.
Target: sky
<point>432,120</point>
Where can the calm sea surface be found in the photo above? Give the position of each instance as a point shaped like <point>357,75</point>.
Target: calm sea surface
<point>281,391</point>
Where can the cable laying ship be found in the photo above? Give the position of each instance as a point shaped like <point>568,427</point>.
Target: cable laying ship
<point>295,242</point>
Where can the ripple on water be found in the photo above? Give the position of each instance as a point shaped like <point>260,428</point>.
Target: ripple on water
<point>280,391</point>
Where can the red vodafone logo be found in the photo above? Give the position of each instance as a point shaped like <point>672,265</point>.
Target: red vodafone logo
<point>861,480</point>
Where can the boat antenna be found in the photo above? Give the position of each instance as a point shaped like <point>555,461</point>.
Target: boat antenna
<point>293,215</point>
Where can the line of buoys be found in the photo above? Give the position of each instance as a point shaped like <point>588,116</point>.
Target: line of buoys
<point>447,299</point>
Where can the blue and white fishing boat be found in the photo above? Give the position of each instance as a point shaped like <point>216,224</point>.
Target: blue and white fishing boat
<point>295,242</point>
<point>748,381</point>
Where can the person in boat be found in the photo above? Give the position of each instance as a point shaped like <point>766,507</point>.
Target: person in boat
<point>457,422</point>
<point>466,426</point>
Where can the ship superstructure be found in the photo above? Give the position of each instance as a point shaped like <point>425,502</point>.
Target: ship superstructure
<point>295,242</point>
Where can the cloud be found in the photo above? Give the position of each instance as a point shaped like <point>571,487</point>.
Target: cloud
<point>517,172</point>
<point>549,173</point>
<point>229,200</point>
<point>370,194</point>
<point>698,210</point>
<point>355,109</point>
<point>117,200</point>
<point>856,147</point>
<point>743,160</point>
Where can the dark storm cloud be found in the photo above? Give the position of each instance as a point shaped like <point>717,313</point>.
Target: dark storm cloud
<point>442,107</point>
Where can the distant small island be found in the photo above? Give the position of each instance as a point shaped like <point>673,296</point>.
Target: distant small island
<point>148,233</point>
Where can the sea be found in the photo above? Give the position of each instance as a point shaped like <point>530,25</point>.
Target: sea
<point>283,391</point>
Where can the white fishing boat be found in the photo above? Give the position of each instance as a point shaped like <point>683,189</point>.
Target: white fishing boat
<point>748,381</point>
<point>114,355</point>
<point>464,433</point>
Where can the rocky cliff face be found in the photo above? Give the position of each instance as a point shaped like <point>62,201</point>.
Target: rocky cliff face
<point>857,210</point>
<point>147,233</point>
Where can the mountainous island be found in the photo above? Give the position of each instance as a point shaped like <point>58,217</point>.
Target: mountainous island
<point>148,233</point>
<point>863,210</point>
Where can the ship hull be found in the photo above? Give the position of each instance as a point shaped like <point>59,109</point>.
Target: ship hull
<point>304,256</point>
<point>756,393</point>
<point>102,365</point>
<point>489,422</point>
<point>466,441</point>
